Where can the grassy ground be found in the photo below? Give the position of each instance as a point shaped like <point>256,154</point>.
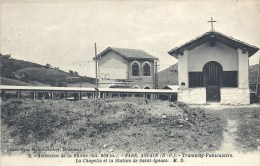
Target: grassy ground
<point>248,126</point>
<point>8,81</point>
<point>116,125</point>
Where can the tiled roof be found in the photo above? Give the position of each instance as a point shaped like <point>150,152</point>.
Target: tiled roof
<point>230,41</point>
<point>172,87</point>
<point>129,53</point>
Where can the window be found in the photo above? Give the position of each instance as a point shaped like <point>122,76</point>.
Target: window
<point>196,79</point>
<point>135,69</point>
<point>229,79</point>
<point>146,70</point>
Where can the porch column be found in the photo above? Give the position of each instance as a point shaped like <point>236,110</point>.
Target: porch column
<point>34,95</point>
<point>61,95</point>
<point>18,94</point>
<point>80,95</point>
<point>3,95</point>
<point>242,69</point>
<point>51,95</point>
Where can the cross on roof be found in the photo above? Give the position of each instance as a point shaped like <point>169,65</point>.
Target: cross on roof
<point>212,21</point>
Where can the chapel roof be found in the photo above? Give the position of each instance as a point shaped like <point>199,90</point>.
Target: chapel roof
<point>216,36</point>
<point>129,53</point>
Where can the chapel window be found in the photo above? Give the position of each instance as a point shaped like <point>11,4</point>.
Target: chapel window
<point>196,79</point>
<point>229,79</point>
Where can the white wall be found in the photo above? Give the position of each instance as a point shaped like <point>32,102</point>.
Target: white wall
<point>183,69</point>
<point>235,96</point>
<point>220,53</point>
<point>192,95</point>
<point>242,69</point>
<point>230,96</point>
<point>113,64</point>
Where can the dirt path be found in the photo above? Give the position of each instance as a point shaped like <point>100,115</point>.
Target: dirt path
<point>241,127</point>
<point>228,144</point>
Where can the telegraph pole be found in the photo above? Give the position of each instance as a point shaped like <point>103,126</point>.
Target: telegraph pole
<point>258,82</point>
<point>156,75</point>
<point>96,65</point>
<point>96,71</point>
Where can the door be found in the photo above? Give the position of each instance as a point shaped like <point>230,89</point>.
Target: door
<point>213,93</point>
<point>212,73</point>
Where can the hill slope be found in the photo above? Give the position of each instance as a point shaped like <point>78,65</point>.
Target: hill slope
<point>41,74</point>
<point>8,81</point>
<point>168,76</point>
<point>253,70</point>
<point>19,72</point>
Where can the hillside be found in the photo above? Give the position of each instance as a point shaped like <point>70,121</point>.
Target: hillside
<point>19,72</point>
<point>8,81</point>
<point>169,76</point>
<point>253,70</point>
<point>47,75</point>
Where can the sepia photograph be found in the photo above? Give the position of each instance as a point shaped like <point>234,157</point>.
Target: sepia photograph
<point>121,82</point>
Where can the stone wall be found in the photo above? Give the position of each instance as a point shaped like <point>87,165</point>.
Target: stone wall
<point>231,96</point>
<point>235,96</point>
<point>192,95</point>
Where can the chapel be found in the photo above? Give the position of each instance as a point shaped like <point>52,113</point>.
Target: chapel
<point>213,68</point>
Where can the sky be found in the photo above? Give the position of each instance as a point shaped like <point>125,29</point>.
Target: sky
<point>63,32</point>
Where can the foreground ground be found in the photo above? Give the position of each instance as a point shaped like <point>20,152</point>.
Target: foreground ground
<point>242,130</point>
<point>127,126</point>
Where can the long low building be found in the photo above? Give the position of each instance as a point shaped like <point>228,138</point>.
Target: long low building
<point>79,92</point>
<point>45,88</point>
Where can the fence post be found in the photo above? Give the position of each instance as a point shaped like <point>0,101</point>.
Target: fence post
<point>3,95</point>
<point>18,94</point>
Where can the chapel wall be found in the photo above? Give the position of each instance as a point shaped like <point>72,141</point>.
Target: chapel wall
<point>192,95</point>
<point>220,53</point>
<point>235,96</point>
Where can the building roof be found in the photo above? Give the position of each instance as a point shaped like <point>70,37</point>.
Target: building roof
<point>46,88</point>
<point>172,87</point>
<point>214,36</point>
<point>129,53</point>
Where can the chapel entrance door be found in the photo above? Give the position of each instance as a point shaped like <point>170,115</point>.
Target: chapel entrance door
<point>212,73</point>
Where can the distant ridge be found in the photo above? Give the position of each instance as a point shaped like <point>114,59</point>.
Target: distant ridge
<point>168,76</point>
<point>19,72</point>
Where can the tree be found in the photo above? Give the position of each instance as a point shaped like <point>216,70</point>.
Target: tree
<point>8,56</point>
<point>70,72</point>
<point>76,73</point>
<point>47,65</point>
